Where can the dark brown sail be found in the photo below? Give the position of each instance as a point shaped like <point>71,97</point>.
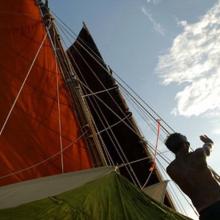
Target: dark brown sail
<point>110,112</point>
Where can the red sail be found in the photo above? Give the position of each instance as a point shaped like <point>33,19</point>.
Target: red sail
<point>30,141</point>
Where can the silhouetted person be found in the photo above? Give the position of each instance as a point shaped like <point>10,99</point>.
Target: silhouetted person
<point>191,173</point>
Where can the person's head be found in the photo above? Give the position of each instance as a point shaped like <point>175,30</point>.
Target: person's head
<point>176,141</point>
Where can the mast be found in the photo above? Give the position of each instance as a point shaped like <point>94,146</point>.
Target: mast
<point>71,81</point>
<point>40,133</point>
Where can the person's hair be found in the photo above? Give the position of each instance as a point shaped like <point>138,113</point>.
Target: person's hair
<point>175,141</point>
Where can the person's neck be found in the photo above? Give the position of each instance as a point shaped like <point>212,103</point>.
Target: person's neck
<point>182,153</point>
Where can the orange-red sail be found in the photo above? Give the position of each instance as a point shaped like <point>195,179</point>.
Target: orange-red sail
<point>30,141</point>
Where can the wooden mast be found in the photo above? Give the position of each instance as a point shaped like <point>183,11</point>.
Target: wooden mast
<point>72,83</point>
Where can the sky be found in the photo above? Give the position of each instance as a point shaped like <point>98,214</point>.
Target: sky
<point>168,51</point>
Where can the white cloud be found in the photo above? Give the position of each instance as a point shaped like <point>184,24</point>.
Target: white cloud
<point>157,26</point>
<point>155,2</point>
<point>182,23</point>
<point>216,131</point>
<point>194,61</point>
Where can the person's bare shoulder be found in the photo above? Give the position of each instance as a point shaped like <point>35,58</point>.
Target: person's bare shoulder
<point>169,169</point>
<point>199,152</point>
<point>199,157</point>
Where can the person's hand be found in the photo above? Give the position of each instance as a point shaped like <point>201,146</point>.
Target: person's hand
<point>205,139</point>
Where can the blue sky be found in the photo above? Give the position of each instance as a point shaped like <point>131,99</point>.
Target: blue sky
<point>168,51</point>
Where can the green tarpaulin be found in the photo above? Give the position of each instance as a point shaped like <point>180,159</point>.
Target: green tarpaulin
<point>111,197</point>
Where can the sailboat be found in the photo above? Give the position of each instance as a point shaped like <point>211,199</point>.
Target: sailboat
<point>69,147</point>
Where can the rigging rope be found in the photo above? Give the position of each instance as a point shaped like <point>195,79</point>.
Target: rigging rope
<point>163,169</point>
<point>215,175</point>
<point>99,92</point>
<point>81,83</point>
<point>54,47</point>
<point>103,143</point>
<point>115,141</point>
<point>152,168</point>
<point>98,97</point>
<point>100,62</point>
<point>137,95</point>
<point>113,125</point>
<point>109,108</point>
<point>69,74</point>
<point>53,43</point>
<point>178,205</point>
<point>156,147</point>
<point>138,160</point>
<point>144,116</point>
<point>103,124</point>
<point>104,103</point>
<point>43,161</point>
<point>154,119</point>
<point>106,120</point>
<point>22,85</point>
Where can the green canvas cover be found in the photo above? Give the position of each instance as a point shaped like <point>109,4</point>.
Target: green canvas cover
<point>111,197</point>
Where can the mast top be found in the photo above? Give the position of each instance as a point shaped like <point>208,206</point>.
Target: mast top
<point>85,26</point>
<point>42,3</point>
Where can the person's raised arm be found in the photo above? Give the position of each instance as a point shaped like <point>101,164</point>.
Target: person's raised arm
<point>207,144</point>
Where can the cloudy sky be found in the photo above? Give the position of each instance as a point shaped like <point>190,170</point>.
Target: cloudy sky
<point>166,50</point>
<point>193,60</point>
